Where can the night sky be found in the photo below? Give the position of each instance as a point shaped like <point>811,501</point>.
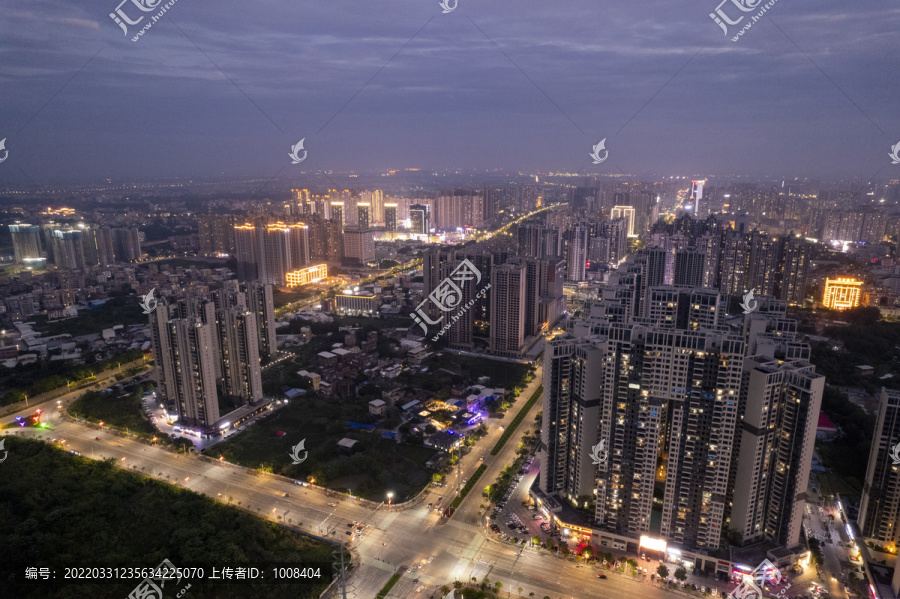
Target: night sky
<point>226,88</point>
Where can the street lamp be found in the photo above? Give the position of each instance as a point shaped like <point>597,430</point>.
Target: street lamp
<point>390,497</point>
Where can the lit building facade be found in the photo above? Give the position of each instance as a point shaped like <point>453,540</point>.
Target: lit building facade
<point>842,293</point>
<point>305,276</point>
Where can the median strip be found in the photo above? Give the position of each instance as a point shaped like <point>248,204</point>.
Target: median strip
<point>469,486</point>
<point>387,588</point>
<point>517,421</point>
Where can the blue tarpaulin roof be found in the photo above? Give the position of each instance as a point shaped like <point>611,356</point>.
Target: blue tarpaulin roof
<point>368,427</point>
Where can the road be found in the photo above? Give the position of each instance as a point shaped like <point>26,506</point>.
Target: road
<point>394,538</point>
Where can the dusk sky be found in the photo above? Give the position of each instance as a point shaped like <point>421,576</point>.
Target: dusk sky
<point>226,88</point>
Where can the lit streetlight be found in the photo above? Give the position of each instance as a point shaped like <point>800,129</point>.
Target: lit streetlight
<point>390,497</point>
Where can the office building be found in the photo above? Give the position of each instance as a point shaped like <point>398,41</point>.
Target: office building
<point>842,293</point>
<point>879,506</point>
<point>357,305</point>
<point>26,241</point>
<point>305,276</point>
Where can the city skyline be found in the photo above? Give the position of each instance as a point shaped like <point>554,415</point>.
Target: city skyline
<point>518,88</point>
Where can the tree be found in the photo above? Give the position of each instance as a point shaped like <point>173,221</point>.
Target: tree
<point>662,571</point>
<point>498,585</point>
<point>632,563</point>
<point>681,574</point>
<point>445,589</point>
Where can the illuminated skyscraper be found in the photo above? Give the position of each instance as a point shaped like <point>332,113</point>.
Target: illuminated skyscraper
<point>576,256</point>
<point>364,214</point>
<point>507,335</point>
<point>879,507</point>
<point>626,212</point>
<point>26,242</point>
<point>390,217</point>
<point>420,219</point>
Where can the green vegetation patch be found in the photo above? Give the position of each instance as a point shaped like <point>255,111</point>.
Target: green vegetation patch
<point>517,421</point>
<point>41,377</point>
<point>375,467</point>
<point>123,412</point>
<point>387,588</point>
<point>469,486</point>
<point>60,510</point>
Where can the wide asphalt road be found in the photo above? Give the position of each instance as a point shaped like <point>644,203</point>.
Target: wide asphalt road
<point>394,538</point>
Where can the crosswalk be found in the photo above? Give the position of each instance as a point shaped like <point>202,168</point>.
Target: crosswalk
<point>463,526</point>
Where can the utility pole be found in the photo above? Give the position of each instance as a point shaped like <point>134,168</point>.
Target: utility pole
<point>341,571</point>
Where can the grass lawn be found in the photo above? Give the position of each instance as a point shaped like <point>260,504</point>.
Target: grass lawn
<point>377,465</point>
<point>120,412</point>
<point>60,510</point>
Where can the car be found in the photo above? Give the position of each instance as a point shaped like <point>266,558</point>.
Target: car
<point>419,590</point>
<point>465,480</point>
<point>644,557</point>
<point>97,438</point>
<point>430,505</point>
<point>481,459</point>
<point>493,516</point>
<point>348,533</point>
<point>350,525</point>
<point>287,494</point>
<point>430,559</point>
<point>332,505</point>
<point>601,575</point>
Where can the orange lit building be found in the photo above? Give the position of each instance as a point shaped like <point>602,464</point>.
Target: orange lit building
<point>305,276</point>
<point>842,293</point>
